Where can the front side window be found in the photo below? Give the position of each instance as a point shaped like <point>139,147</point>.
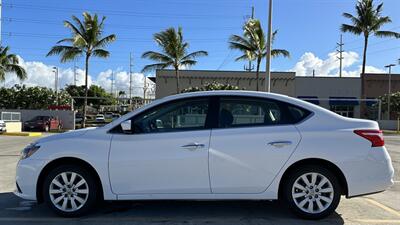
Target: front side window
<point>183,115</point>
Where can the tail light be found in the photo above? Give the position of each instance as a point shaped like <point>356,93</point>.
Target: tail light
<point>374,136</point>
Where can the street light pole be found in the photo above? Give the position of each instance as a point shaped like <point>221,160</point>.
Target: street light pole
<point>268,62</point>
<point>390,86</point>
<point>55,70</point>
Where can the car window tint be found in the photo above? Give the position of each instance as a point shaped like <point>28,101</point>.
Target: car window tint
<point>298,114</point>
<point>177,116</point>
<point>236,112</point>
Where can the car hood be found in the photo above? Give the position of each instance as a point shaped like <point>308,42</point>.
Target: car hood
<point>66,135</point>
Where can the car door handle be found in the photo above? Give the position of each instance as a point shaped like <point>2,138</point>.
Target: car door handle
<point>280,144</point>
<point>193,146</point>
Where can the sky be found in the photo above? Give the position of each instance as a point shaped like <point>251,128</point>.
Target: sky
<point>308,29</point>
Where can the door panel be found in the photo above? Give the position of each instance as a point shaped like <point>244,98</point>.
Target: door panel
<point>157,163</point>
<point>246,160</point>
<point>253,141</point>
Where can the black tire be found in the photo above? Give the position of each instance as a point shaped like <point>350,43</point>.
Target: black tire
<point>90,182</point>
<point>290,201</point>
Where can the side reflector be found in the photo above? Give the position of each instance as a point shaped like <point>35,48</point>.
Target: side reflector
<point>374,136</point>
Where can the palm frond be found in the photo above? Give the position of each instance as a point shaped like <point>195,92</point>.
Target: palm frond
<point>387,34</point>
<point>351,29</point>
<point>194,55</point>
<point>101,53</point>
<point>188,63</point>
<point>156,56</point>
<point>18,70</point>
<point>105,41</point>
<point>280,52</point>
<point>155,66</point>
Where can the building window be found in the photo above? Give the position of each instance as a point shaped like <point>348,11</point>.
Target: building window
<point>344,110</point>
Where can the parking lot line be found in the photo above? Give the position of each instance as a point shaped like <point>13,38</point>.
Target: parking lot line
<point>374,221</point>
<point>384,207</point>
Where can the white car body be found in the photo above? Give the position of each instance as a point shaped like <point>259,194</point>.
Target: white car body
<point>3,128</point>
<point>232,163</point>
<point>100,118</point>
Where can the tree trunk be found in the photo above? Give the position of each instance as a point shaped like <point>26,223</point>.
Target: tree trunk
<point>363,109</point>
<point>177,80</point>
<point>258,75</point>
<point>86,90</point>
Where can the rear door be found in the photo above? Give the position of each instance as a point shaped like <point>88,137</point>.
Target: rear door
<point>254,138</point>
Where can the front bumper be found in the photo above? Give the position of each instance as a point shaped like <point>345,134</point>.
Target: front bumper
<point>28,171</point>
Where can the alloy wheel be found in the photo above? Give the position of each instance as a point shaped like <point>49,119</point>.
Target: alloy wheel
<point>312,193</point>
<point>69,191</point>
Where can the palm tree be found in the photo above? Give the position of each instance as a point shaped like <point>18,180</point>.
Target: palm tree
<point>86,40</point>
<point>367,21</point>
<point>9,63</point>
<point>254,45</point>
<point>173,53</point>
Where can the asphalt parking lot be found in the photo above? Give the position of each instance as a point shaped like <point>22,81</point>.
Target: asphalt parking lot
<point>382,208</point>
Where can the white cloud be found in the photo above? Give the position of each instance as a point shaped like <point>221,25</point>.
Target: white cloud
<point>40,74</point>
<point>330,66</point>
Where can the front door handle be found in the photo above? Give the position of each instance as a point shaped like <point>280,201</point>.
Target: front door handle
<point>280,144</point>
<point>193,146</point>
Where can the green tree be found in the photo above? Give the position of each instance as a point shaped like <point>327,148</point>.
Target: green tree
<point>22,97</point>
<point>213,86</point>
<point>367,21</point>
<point>9,63</point>
<point>394,102</point>
<point>87,40</point>
<point>78,93</point>
<point>173,53</point>
<point>253,45</point>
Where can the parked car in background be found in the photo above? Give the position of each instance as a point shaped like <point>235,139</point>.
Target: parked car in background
<point>100,118</point>
<point>108,115</point>
<point>115,116</point>
<point>2,127</point>
<point>43,123</point>
<point>216,145</point>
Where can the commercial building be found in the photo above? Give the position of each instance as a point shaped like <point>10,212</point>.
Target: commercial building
<point>341,95</point>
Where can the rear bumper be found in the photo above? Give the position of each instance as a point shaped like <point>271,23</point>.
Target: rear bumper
<point>372,174</point>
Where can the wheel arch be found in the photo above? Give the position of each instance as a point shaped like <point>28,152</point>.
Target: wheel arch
<point>65,161</point>
<point>315,161</point>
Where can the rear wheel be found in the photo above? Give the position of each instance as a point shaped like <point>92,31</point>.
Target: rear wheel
<point>70,190</point>
<point>312,192</point>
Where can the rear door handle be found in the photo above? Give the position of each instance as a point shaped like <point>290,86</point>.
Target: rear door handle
<point>193,146</point>
<point>280,144</point>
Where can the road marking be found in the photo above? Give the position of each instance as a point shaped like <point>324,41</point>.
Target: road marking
<point>373,221</point>
<point>384,207</point>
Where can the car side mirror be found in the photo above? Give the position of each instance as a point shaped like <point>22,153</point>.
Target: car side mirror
<point>126,126</point>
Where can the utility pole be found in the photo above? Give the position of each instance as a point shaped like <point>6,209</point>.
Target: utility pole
<point>130,76</point>
<point>340,51</point>
<point>251,67</point>
<point>144,88</point>
<point>112,83</point>
<point>55,70</point>
<point>75,67</point>
<point>390,87</point>
<point>268,62</point>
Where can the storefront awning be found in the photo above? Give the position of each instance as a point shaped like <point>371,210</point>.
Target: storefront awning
<point>311,99</point>
<point>343,101</point>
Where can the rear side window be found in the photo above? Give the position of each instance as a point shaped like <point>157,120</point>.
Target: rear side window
<point>241,112</point>
<point>247,112</point>
<point>298,114</point>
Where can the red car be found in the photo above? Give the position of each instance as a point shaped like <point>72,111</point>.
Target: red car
<point>43,123</point>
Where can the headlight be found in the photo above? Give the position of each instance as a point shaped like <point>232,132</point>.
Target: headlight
<point>29,150</point>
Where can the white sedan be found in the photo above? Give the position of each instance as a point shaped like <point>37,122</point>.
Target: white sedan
<point>219,145</point>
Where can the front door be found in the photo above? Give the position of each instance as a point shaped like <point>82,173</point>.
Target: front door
<point>165,153</point>
<point>253,141</point>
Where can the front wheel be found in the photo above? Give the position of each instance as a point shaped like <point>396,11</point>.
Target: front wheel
<point>312,192</point>
<point>70,190</point>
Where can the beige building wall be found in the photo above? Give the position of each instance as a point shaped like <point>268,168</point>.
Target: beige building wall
<point>281,82</point>
<point>378,84</point>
